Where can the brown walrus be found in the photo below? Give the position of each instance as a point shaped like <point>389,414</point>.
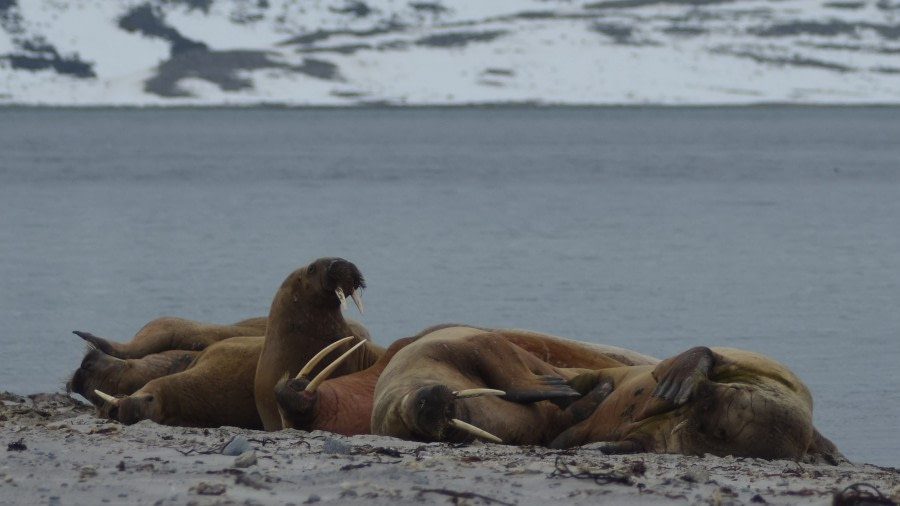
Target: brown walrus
<point>420,395</point>
<point>171,333</point>
<point>216,390</point>
<point>722,401</point>
<point>117,376</point>
<point>304,318</point>
<point>344,405</point>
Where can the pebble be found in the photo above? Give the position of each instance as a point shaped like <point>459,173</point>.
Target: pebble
<point>246,459</point>
<point>237,446</point>
<point>332,445</point>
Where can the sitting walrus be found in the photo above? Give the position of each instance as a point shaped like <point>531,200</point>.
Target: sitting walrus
<point>171,333</point>
<point>344,405</point>
<point>305,317</point>
<point>722,401</point>
<point>218,388</point>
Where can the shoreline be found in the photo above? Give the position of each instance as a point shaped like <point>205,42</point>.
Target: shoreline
<point>58,452</point>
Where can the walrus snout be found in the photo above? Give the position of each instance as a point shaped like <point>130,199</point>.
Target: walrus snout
<point>433,407</point>
<point>345,275</point>
<point>296,404</point>
<point>133,409</point>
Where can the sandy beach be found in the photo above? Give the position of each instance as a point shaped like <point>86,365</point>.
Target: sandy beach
<point>58,452</point>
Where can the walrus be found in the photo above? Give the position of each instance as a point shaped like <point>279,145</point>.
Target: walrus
<point>304,318</point>
<point>421,394</point>
<point>172,333</point>
<point>722,401</point>
<point>117,376</point>
<point>344,405</point>
<point>214,391</point>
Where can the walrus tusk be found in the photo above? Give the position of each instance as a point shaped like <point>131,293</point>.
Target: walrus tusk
<point>106,397</point>
<point>477,392</point>
<point>471,429</point>
<point>357,300</point>
<point>340,295</point>
<point>322,376</point>
<point>319,356</point>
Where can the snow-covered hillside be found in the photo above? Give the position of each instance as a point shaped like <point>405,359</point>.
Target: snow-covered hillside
<point>346,52</point>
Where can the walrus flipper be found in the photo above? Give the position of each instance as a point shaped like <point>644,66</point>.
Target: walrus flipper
<point>545,388</point>
<point>680,375</point>
<point>99,343</point>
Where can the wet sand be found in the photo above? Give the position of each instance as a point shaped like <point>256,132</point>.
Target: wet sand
<point>58,452</point>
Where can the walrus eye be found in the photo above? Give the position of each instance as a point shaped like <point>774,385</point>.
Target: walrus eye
<point>311,269</point>
<point>421,404</point>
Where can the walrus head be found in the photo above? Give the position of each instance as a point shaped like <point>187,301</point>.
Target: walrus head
<point>297,398</point>
<point>97,371</point>
<point>431,412</point>
<point>130,409</point>
<point>327,282</point>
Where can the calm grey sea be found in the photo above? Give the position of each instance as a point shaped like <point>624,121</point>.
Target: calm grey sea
<point>773,229</point>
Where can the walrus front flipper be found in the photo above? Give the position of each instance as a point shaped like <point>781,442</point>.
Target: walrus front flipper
<point>680,375</point>
<point>545,388</point>
<point>99,343</point>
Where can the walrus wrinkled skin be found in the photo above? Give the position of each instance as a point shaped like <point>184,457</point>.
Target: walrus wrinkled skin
<point>304,318</point>
<point>171,333</point>
<point>344,405</point>
<point>721,401</point>
<point>215,390</point>
<point>117,376</point>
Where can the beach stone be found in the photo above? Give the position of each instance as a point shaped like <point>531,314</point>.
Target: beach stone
<point>696,474</point>
<point>246,459</point>
<point>332,445</point>
<point>236,446</point>
<point>87,472</point>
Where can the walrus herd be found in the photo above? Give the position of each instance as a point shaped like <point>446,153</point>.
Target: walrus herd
<point>305,366</point>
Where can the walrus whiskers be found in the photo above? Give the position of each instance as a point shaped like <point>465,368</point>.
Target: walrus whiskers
<point>319,356</point>
<point>108,398</point>
<point>471,429</point>
<point>477,392</point>
<point>322,376</point>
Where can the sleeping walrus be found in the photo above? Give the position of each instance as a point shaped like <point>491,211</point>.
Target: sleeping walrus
<point>344,405</point>
<point>722,401</point>
<point>215,390</point>
<point>423,393</point>
<point>171,333</point>
<point>118,376</point>
<point>218,388</point>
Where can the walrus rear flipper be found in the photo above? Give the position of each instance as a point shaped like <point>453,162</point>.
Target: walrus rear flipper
<point>822,451</point>
<point>545,388</point>
<point>99,343</point>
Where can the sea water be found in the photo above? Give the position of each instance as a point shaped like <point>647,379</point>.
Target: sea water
<point>775,229</point>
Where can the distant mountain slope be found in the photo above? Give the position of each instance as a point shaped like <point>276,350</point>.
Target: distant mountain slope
<point>300,52</point>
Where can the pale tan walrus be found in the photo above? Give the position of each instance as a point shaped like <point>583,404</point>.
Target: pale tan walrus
<point>722,401</point>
